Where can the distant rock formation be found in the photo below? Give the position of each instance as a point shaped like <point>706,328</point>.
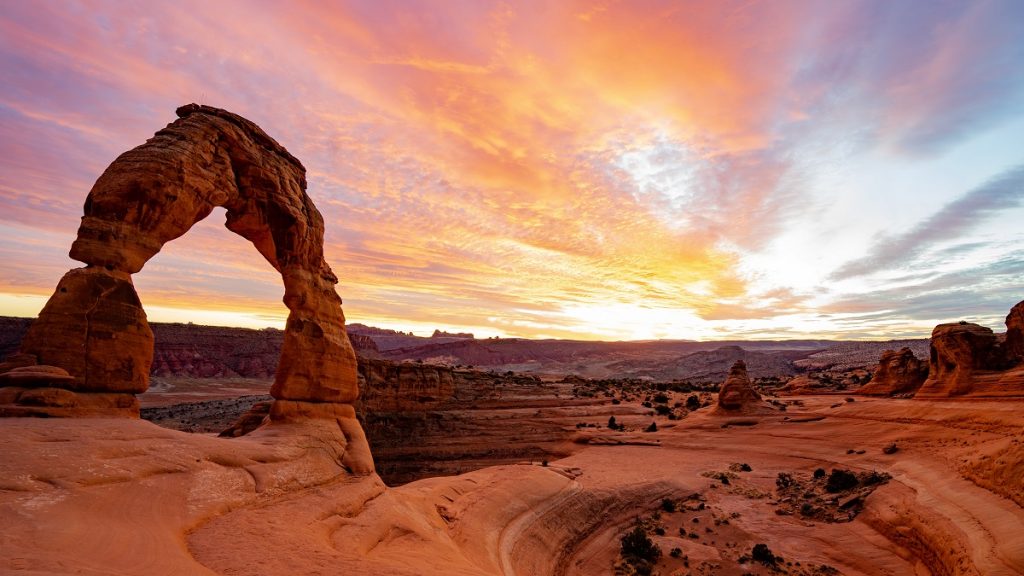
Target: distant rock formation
<point>443,334</point>
<point>970,360</point>
<point>94,325</point>
<point>897,373</point>
<point>390,387</point>
<point>738,397</point>
<point>800,385</point>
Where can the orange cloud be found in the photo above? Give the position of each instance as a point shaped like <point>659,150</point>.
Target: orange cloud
<point>519,168</point>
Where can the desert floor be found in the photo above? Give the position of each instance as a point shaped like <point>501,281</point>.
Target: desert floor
<point>120,496</point>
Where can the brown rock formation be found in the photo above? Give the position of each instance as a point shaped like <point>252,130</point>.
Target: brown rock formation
<point>94,325</point>
<point>967,359</point>
<point>897,373</point>
<point>958,352</point>
<point>737,396</point>
<point>1014,345</point>
<point>389,387</point>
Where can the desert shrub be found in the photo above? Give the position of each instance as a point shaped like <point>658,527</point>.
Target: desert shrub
<point>676,552</point>
<point>658,530</point>
<point>637,545</point>
<point>819,473</point>
<point>668,505</point>
<point>693,402</point>
<point>840,480</point>
<point>662,409</point>
<point>612,423</point>
<point>660,399</point>
<point>783,480</point>
<point>761,553</point>
<point>652,428</point>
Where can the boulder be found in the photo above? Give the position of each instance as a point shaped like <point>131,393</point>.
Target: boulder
<point>897,373</point>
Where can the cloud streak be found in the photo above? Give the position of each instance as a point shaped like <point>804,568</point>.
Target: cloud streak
<point>1004,192</point>
<point>527,168</point>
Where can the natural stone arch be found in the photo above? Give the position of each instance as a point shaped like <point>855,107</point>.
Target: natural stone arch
<point>94,326</point>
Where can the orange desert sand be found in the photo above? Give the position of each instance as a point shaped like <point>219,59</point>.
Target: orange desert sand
<point>123,496</point>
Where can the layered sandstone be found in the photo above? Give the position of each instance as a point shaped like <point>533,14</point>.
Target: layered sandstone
<point>897,373</point>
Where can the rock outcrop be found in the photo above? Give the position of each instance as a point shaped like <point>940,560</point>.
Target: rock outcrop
<point>1014,344</point>
<point>94,325</point>
<point>897,373</point>
<point>737,396</point>
<point>970,360</point>
<point>398,387</point>
<point>958,352</point>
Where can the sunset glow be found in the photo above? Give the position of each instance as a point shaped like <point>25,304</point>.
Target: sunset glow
<point>612,170</point>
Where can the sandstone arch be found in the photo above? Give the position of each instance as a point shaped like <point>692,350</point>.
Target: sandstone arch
<point>94,326</point>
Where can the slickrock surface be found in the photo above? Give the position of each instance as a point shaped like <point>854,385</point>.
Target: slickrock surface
<point>897,373</point>
<point>105,496</point>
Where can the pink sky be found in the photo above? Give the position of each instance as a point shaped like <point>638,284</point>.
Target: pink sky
<point>609,170</point>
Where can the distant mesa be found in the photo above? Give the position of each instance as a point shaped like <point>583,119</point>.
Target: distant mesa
<point>94,326</point>
<point>443,334</point>
<point>738,397</point>
<point>898,373</point>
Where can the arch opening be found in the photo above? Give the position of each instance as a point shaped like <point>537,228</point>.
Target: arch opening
<point>94,328</point>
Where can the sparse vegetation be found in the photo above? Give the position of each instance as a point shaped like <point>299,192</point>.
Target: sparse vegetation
<point>840,480</point>
<point>639,551</point>
<point>761,553</point>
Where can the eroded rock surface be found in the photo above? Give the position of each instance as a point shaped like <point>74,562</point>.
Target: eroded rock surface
<point>897,373</point>
<point>94,325</point>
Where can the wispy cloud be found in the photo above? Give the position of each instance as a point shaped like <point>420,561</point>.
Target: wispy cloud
<point>524,168</point>
<point>1003,192</point>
